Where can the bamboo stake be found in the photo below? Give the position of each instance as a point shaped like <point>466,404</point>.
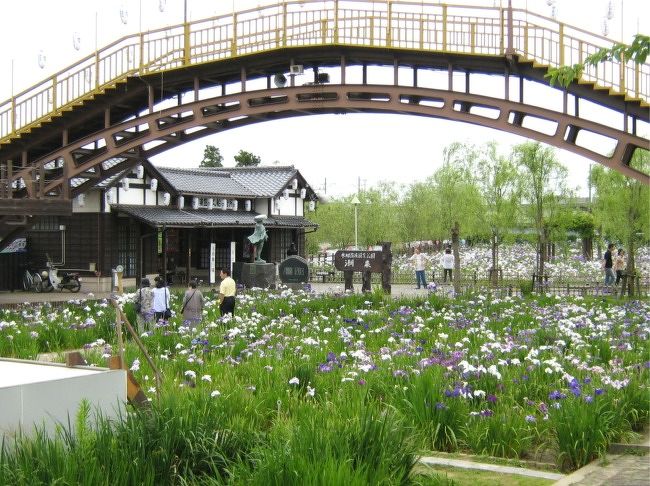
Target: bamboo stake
<point>141,346</point>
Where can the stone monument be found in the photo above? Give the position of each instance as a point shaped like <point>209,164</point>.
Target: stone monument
<point>294,272</point>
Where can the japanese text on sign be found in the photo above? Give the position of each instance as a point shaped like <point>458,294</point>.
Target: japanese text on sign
<point>358,261</point>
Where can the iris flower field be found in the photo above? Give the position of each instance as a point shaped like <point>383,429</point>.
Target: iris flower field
<point>330,389</point>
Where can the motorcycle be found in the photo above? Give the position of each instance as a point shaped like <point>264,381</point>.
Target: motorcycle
<point>67,280</point>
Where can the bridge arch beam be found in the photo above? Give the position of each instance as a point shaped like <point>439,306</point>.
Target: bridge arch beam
<point>121,146</point>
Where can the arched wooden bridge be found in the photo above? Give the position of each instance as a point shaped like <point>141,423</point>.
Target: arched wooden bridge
<point>153,91</point>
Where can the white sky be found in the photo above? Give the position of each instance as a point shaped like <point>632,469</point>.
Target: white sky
<point>337,148</point>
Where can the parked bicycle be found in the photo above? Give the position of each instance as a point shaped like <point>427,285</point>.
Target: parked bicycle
<point>32,281</point>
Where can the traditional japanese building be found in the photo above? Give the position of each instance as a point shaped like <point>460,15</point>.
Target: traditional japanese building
<point>161,220</point>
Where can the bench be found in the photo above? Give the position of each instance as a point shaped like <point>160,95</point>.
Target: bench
<point>324,275</point>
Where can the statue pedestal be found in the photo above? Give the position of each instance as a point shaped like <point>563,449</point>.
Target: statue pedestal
<point>258,275</point>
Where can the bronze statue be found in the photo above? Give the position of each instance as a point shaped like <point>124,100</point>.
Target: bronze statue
<point>258,237</point>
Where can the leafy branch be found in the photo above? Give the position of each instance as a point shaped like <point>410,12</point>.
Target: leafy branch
<point>637,51</point>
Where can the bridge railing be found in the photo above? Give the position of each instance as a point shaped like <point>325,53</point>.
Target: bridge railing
<point>394,24</point>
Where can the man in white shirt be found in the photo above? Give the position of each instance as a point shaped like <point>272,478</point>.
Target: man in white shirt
<point>419,261</point>
<point>227,291</point>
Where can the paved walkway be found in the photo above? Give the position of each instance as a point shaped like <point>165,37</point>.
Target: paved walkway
<point>625,465</point>
<point>461,464</point>
<point>19,296</point>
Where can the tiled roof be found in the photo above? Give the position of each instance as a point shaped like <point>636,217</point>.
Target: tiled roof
<point>158,216</point>
<point>263,181</point>
<point>205,181</point>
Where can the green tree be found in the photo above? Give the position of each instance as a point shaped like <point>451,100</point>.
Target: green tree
<point>336,224</point>
<point>582,223</point>
<point>500,186</point>
<point>417,216</point>
<point>544,190</point>
<point>247,159</point>
<point>211,157</point>
<point>623,206</point>
<point>458,201</point>
<point>379,215</point>
<point>378,219</point>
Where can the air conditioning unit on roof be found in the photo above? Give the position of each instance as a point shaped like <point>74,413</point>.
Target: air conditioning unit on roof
<point>296,69</point>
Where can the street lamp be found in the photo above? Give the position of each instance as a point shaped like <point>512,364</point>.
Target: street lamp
<point>355,201</point>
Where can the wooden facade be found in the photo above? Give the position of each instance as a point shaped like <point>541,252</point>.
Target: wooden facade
<point>99,235</point>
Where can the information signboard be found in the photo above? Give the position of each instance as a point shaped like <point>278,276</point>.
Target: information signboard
<point>358,261</point>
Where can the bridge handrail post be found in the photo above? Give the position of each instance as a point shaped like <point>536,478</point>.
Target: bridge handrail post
<point>622,73</point>
<point>526,53</point>
<point>389,25</point>
<point>13,114</point>
<point>96,69</point>
<point>503,30</point>
<point>444,27</point>
<point>511,48</point>
<point>284,24</point>
<point>233,41</point>
<point>560,43</point>
<point>141,64</point>
<point>54,97</point>
<point>336,21</point>
<point>186,43</point>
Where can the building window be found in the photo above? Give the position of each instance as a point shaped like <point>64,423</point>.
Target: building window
<point>204,257</point>
<point>127,243</point>
<point>46,223</point>
<point>222,255</point>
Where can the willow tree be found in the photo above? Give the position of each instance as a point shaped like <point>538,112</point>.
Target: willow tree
<point>622,206</point>
<point>379,215</point>
<point>544,190</point>
<point>499,182</point>
<point>336,225</point>
<point>416,212</point>
<point>458,202</point>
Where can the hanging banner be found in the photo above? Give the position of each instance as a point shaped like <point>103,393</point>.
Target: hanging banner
<point>213,260</point>
<point>233,247</point>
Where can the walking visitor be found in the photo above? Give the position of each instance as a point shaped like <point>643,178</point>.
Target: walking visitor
<point>227,291</point>
<point>161,301</point>
<point>192,309</point>
<point>144,305</point>
<point>608,264</point>
<point>447,262</point>
<point>619,265</point>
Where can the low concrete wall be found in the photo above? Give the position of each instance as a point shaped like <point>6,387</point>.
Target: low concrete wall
<point>45,395</point>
